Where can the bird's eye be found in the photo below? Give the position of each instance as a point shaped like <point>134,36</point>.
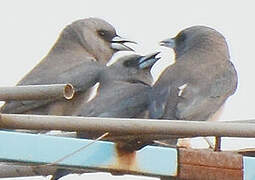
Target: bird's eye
<point>101,33</point>
<point>105,35</point>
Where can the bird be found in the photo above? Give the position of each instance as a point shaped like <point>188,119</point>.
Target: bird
<point>119,91</point>
<point>78,54</point>
<point>117,97</point>
<point>199,82</point>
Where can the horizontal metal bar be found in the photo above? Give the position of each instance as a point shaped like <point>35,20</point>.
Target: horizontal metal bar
<point>35,150</point>
<point>103,156</point>
<point>241,121</point>
<point>122,126</point>
<point>36,92</point>
<point>8,169</point>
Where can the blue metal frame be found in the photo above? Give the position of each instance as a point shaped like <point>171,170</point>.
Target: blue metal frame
<point>249,168</point>
<point>43,149</point>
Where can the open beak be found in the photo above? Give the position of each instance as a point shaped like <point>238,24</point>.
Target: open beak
<point>148,61</point>
<point>168,43</point>
<point>118,44</point>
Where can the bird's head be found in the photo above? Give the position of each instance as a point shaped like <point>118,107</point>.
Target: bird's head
<point>97,37</point>
<point>135,67</point>
<point>197,38</point>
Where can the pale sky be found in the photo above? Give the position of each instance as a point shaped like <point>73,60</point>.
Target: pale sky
<point>30,28</point>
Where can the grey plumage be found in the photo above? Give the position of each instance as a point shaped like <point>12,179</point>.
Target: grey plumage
<point>200,80</point>
<point>119,93</point>
<point>119,83</point>
<point>76,58</point>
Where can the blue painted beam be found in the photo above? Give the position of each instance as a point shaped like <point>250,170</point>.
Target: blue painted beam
<point>102,155</point>
<point>249,168</point>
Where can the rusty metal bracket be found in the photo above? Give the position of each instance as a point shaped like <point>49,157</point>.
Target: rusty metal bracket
<point>199,164</point>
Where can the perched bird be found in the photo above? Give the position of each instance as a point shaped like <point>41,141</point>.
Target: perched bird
<point>119,96</point>
<point>119,93</point>
<point>120,81</point>
<point>200,80</point>
<point>74,58</point>
<point>78,57</point>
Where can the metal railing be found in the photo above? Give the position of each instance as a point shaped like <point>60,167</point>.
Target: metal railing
<point>119,129</point>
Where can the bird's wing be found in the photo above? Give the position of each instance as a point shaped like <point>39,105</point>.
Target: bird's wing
<point>130,106</point>
<point>118,99</point>
<point>158,102</point>
<point>82,77</point>
<point>163,91</point>
<point>200,102</point>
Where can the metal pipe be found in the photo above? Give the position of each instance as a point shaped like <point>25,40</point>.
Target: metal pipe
<point>122,126</point>
<point>241,121</point>
<point>37,92</point>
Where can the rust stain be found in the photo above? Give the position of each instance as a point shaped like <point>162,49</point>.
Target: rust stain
<point>125,161</point>
<point>125,158</point>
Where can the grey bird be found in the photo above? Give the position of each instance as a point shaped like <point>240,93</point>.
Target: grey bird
<point>117,82</point>
<point>119,93</point>
<point>81,47</point>
<point>201,79</point>
<point>118,96</point>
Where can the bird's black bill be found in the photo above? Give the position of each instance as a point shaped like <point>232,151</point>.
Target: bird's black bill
<point>168,43</point>
<point>148,60</point>
<point>118,43</point>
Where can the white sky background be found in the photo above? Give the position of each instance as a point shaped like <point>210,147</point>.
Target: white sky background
<point>28,29</point>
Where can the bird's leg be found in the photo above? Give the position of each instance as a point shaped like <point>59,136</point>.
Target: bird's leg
<point>217,146</point>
